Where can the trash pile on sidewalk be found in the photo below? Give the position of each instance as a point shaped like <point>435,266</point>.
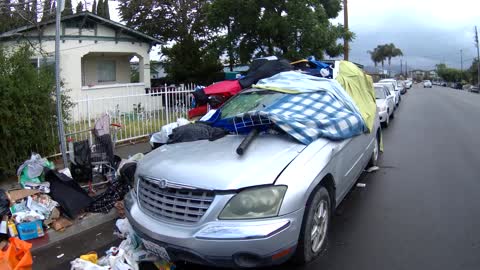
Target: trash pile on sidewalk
<point>129,255</point>
<point>54,199</point>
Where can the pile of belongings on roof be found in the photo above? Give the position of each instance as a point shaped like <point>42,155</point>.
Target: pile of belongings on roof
<point>314,100</point>
<point>213,96</point>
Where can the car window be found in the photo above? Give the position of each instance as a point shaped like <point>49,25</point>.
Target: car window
<point>379,93</point>
<point>249,101</point>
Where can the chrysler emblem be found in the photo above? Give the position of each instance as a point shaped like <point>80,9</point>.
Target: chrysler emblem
<point>162,183</point>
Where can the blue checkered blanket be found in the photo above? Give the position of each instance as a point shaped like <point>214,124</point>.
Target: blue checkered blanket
<point>313,107</point>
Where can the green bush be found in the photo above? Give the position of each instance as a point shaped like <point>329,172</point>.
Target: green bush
<point>27,109</point>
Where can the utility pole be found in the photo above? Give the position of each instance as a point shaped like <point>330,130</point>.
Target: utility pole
<point>461,60</point>
<point>401,66</point>
<point>406,68</point>
<point>345,25</point>
<point>61,131</point>
<point>478,57</point>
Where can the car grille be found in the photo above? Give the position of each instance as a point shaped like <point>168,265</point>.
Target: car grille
<point>183,205</point>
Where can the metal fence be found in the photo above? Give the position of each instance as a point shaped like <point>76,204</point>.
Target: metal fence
<point>139,114</point>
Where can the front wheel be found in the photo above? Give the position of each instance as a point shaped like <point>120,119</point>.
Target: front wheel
<point>314,232</point>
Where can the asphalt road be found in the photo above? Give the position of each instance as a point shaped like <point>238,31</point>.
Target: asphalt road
<point>421,210</point>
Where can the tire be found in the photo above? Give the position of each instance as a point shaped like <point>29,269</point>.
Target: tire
<point>393,114</point>
<point>375,154</point>
<point>316,218</point>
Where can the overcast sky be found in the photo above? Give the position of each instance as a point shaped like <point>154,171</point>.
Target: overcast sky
<point>427,31</point>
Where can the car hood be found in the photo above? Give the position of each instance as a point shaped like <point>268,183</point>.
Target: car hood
<point>215,165</point>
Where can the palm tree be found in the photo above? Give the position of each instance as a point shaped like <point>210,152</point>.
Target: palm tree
<point>378,55</point>
<point>375,56</point>
<point>391,52</point>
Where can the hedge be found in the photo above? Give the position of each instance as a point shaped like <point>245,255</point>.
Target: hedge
<point>27,109</point>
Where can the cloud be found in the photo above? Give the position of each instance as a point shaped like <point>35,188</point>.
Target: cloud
<point>427,31</point>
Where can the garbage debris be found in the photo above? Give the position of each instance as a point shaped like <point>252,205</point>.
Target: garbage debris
<point>91,257</point>
<point>30,229</point>
<point>161,138</point>
<point>42,204</point>
<point>127,256</point>
<point>61,223</point>
<point>43,187</point>
<point>361,185</point>
<point>60,255</point>
<point>120,206</point>
<point>68,193</point>
<point>104,202</point>
<point>79,264</point>
<point>17,255</point>
<point>32,170</point>
<point>372,169</point>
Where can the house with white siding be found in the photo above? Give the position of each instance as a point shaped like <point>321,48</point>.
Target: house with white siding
<point>95,53</point>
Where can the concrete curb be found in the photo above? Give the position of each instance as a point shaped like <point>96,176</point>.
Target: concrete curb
<point>91,221</point>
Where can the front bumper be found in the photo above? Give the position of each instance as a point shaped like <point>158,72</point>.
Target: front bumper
<point>253,243</point>
<point>383,116</point>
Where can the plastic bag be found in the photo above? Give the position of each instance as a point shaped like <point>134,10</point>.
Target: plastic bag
<point>80,264</point>
<point>32,169</point>
<point>17,256</point>
<point>124,228</point>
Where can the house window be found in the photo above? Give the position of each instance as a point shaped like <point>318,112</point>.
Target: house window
<point>106,71</point>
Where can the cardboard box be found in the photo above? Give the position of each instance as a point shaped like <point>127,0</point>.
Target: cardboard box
<point>30,230</point>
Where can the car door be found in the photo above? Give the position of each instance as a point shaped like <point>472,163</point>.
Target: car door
<point>390,99</point>
<point>351,161</point>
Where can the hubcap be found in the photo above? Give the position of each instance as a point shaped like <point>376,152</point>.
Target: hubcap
<point>320,225</point>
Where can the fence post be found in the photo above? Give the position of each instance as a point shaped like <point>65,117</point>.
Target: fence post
<point>90,139</point>
<point>166,105</point>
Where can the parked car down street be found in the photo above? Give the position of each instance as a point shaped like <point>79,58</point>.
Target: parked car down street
<point>385,104</point>
<point>391,87</point>
<point>427,84</point>
<point>398,86</point>
<point>408,84</point>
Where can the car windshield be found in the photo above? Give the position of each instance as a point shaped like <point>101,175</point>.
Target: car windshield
<point>251,100</point>
<point>379,93</point>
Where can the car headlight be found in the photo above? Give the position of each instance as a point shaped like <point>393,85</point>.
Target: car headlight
<point>253,203</point>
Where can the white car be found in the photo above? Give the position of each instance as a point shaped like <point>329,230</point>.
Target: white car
<point>395,84</point>
<point>408,84</point>
<point>385,104</point>
<point>427,84</point>
<point>391,87</point>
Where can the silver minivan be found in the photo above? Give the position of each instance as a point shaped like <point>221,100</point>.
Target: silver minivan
<point>200,202</point>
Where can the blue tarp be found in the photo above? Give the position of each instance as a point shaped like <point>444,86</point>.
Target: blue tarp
<point>314,107</point>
